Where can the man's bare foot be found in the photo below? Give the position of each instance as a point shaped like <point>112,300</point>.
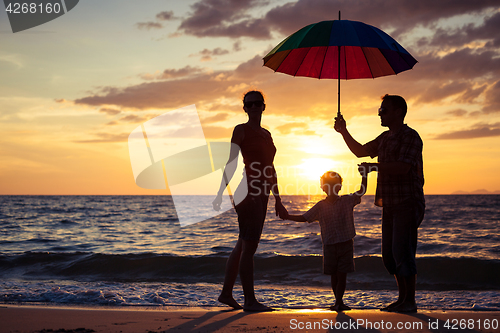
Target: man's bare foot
<point>404,308</point>
<point>229,301</point>
<point>257,307</point>
<point>391,306</point>
<point>340,307</point>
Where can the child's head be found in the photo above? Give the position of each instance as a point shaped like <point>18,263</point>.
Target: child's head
<point>331,183</point>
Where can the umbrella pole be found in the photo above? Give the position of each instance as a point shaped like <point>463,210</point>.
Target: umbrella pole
<point>339,115</point>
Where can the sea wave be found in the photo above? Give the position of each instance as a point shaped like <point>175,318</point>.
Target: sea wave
<point>435,273</point>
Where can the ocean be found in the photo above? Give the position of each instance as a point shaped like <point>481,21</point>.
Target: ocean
<point>131,251</point>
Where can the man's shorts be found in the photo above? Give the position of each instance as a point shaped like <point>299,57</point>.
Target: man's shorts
<point>338,257</point>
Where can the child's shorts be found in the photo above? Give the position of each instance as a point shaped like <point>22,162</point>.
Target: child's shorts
<point>338,257</point>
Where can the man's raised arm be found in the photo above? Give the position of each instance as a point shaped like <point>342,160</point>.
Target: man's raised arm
<point>355,147</point>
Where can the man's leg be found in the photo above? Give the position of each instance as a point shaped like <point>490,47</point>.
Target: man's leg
<point>407,218</point>
<point>388,256</point>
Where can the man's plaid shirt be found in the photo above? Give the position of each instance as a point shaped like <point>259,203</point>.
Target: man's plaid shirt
<point>336,220</point>
<point>403,146</point>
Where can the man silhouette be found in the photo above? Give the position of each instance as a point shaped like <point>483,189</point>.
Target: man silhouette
<point>399,191</point>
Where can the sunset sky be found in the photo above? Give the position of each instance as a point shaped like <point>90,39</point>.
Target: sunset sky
<point>73,89</point>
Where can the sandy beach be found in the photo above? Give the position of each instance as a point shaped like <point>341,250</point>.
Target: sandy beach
<point>72,319</point>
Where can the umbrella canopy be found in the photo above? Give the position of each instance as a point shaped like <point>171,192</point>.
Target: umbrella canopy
<point>355,49</point>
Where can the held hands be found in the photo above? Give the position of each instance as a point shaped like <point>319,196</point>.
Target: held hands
<point>340,124</point>
<point>281,210</point>
<point>365,168</point>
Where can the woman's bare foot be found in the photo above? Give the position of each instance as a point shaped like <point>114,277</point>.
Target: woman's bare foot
<point>340,307</point>
<point>229,301</point>
<point>257,307</point>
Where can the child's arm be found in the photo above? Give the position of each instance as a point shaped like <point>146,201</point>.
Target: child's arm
<point>296,218</point>
<point>363,170</point>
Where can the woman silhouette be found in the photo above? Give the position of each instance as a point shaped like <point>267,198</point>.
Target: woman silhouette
<point>258,150</point>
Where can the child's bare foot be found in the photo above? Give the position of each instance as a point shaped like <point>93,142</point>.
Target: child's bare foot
<point>229,301</point>
<point>257,307</point>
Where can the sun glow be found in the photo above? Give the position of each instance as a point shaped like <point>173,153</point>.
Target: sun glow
<point>314,168</point>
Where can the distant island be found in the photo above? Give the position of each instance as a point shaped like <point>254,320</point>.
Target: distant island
<point>481,191</point>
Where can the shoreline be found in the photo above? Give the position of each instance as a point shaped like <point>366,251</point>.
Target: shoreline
<point>82,319</point>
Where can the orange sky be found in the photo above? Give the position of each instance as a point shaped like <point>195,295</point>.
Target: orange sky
<point>73,89</point>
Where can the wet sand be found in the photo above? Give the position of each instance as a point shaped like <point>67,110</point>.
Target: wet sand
<point>15,318</point>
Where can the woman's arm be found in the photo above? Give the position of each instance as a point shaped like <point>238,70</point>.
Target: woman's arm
<point>280,209</point>
<point>231,165</point>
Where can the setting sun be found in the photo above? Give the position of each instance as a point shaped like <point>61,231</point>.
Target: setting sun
<point>313,168</point>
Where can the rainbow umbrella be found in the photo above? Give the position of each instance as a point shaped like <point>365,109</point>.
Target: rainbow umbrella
<point>354,49</point>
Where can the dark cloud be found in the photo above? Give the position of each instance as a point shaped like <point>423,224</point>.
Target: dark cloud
<point>225,18</point>
<point>237,46</point>
<point>464,74</point>
<point>229,18</point>
<point>149,25</point>
<point>165,16</point>
<point>161,94</point>
<point>461,36</point>
<point>385,14</point>
<point>492,99</point>
<point>478,131</point>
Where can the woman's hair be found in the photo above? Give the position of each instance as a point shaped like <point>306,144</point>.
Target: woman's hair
<point>257,92</point>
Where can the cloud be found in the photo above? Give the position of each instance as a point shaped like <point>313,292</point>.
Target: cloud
<point>231,18</point>
<point>165,16</point>
<point>237,46</point>
<point>478,131</point>
<point>109,111</point>
<point>395,15</point>
<point>132,118</point>
<point>457,112</point>
<point>149,25</point>
<point>206,54</point>
<point>225,18</point>
<point>288,128</point>
<point>172,73</point>
<point>161,16</point>
<point>106,138</point>
<point>459,37</point>
<point>214,119</point>
<point>161,94</point>
<point>492,99</point>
